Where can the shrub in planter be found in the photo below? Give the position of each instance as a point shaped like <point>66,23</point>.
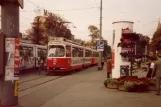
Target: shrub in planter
<point>142,86</point>
<point>130,86</point>
<point>122,87</point>
<point>112,83</point>
<point>105,83</point>
<point>152,85</point>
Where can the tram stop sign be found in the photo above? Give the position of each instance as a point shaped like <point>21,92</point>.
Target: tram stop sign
<point>100,45</point>
<point>18,2</point>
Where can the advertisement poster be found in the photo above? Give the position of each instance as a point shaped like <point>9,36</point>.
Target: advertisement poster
<point>17,58</point>
<point>124,70</point>
<point>12,66</point>
<point>9,73</point>
<point>113,59</point>
<point>10,45</point>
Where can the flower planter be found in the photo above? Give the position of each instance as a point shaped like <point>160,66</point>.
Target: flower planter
<point>152,88</point>
<point>122,88</point>
<point>113,86</point>
<point>105,83</point>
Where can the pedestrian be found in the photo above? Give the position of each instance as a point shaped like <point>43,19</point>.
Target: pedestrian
<point>102,63</point>
<point>109,67</point>
<point>150,70</point>
<point>157,73</point>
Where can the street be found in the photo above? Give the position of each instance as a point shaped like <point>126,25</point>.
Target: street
<point>81,89</point>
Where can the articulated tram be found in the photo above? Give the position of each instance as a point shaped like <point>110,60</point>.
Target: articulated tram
<point>30,55</point>
<point>64,55</point>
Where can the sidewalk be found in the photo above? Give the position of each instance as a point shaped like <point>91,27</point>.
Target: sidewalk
<point>87,90</point>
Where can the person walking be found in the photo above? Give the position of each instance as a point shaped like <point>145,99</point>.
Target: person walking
<point>151,66</point>
<point>109,67</point>
<point>102,63</point>
<point>157,73</point>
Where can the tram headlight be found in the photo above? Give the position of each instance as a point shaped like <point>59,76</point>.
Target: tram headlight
<point>54,63</point>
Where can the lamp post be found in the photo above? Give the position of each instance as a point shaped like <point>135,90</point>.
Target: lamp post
<point>100,37</point>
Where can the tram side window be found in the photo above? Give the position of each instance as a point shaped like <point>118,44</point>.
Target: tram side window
<point>77,52</point>
<point>87,53</point>
<point>30,51</point>
<point>80,52</point>
<point>21,51</point>
<point>90,53</point>
<point>95,54</point>
<point>26,52</point>
<point>40,53</point>
<point>68,51</point>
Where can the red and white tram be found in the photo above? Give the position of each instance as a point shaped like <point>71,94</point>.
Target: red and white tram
<point>64,56</point>
<point>30,54</point>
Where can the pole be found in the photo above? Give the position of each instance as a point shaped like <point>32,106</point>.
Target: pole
<point>10,28</point>
<point>100,53</point>
<point>38,26</point>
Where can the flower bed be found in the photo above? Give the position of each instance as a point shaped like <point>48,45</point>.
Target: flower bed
<point>112,83</point>
<point>131,84</point>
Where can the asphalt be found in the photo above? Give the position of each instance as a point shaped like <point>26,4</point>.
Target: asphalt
<point>85,89</point>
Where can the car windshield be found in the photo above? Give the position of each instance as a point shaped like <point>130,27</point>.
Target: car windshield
<point>56,51</point>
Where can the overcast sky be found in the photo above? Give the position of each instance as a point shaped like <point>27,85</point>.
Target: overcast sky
<point>82,13</point>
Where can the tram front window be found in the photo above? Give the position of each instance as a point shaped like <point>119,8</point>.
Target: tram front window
<point>56,51</point>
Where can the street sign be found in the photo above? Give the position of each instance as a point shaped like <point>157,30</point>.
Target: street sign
<point>100,45</point>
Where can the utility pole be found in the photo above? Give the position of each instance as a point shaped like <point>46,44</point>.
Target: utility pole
<point>10,30</point>
<point>38,27</point>
<point>100,52</point>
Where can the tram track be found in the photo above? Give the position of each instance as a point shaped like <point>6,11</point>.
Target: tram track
<point>36,82</point>
<point>32,79</point>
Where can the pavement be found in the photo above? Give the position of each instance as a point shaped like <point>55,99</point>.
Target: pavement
<point>85,89</point>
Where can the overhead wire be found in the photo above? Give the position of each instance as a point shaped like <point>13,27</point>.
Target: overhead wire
<point>66,9</point>
<point>33,3</point>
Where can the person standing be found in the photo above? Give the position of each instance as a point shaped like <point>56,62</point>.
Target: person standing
<point>109,67</point>
<point>41,61</point>
<point>151,66</point>
<point>157,73</point>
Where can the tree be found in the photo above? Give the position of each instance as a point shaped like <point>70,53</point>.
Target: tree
<point>45,27</point>
<point>107,50</point>
<point>94,34</point>
<point>156,40</point>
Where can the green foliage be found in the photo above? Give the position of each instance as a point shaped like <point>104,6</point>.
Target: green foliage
<point>48,26</point>
<point>94,34</point>
<point>156,40</point>
<point>107,50</point>
<point>112,81</point>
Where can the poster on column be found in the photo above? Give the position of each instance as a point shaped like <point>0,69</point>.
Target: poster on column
<point>17,57</point>
<point>113,59</point>
<point>12,53</point>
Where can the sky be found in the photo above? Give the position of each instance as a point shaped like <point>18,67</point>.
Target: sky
<point>82,13</point>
